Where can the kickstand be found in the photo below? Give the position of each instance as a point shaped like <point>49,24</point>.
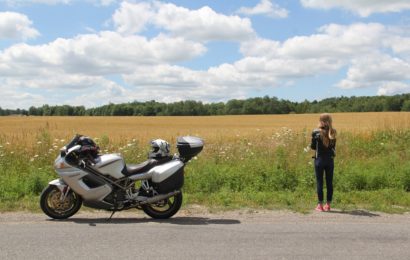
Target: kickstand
<point>112,214</point>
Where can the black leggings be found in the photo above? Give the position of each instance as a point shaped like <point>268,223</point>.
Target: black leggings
<point>325,165</point>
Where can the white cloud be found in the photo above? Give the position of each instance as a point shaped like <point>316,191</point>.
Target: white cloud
<point>105,53</point>
<point>393,88</point>
<point>375,71</point>
<point>203,24</point>
<point>132,18</point>
<point>83,67</point>
<point>363,8</point>
<point>265,7</point>
<point>332,41</point>
<point>16,26</point>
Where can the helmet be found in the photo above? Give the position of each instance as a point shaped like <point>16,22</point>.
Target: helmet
<point>88,147</point>
<point>159,149</point>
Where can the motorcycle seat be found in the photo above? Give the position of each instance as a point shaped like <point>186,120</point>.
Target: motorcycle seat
<point>131,169</point>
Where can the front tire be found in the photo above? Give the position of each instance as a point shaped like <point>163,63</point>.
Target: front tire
<point>53,207</point>
<point>164,209</point>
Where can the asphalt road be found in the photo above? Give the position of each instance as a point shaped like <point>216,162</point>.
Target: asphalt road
<point>196,234</point>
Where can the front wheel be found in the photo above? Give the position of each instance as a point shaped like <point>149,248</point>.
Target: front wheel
<point>165,208</point>
<point>54,207</point>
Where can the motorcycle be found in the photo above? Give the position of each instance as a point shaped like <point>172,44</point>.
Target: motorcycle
<point>107,182</point>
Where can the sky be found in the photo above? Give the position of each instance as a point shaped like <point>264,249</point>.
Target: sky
<point>94,52</point>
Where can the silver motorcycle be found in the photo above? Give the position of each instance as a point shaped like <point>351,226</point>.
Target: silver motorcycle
<point>106,182</point>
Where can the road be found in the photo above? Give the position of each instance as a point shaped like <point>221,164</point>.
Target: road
<point>198,234</point>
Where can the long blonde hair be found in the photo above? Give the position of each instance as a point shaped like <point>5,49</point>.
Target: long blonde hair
<point>327,132</point>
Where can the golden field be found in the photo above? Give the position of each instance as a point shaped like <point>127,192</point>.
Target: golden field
<point>143,128</point>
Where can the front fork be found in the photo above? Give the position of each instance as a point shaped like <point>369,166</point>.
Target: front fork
<point>62,187</point>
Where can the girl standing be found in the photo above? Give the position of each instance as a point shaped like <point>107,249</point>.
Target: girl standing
<point>324,144</point>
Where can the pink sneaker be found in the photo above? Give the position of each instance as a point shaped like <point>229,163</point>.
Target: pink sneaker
<point>326,207</point>
<point>319,207</point>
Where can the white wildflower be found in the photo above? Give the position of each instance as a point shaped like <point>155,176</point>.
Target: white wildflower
<point>381,143</point>
<point>7,143</point>
<point>129,145</point>
<point>35,156</point>
<point>11,152</point>
<point>310,163</point>
<point>32,160</point>
<point>39,142</point>
<point>62,140</point>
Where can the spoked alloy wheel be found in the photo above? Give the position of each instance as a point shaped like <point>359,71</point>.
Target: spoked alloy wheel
<point>165,208</point>
<point>53,207</point>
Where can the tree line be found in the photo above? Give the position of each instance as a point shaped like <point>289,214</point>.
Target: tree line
<point>250,106</point>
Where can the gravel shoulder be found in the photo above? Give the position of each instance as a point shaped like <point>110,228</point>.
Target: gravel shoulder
<point>198,213</point>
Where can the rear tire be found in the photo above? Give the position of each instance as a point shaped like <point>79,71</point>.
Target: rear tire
<point>54,208</point>
<point>164,209</point>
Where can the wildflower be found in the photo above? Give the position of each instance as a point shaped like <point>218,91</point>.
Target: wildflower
<point>7,143</point>
<point>11,152</point>
<point>129,145</point>
<point>39,142</point>
<point>32,160</point>
<point>55,146</point>
<point>1,146</point>
<point>249,144</point>
<point>195,158</point>
<point>310,163</point>
<point>381,143</point>
<point>62,140</point>
<point>134,140</point>
<point>35,156</point>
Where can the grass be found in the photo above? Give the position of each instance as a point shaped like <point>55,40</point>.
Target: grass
<point>248,161</point>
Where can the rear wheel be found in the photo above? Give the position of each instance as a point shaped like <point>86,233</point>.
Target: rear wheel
<point>165,208</point>
<point>54,207</point>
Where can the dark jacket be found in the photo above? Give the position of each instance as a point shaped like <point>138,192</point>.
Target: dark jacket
<point>321,149</point>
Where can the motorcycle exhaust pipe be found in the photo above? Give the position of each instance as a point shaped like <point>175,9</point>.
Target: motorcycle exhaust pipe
<point>158,198</point>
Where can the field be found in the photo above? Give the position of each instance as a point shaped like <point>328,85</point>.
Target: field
<point>248,161</point>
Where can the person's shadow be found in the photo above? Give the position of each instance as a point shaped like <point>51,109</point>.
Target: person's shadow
<point>356,212</point>
<point>176,221</point>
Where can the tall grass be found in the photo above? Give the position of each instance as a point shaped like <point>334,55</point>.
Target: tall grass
<point>241,167</point>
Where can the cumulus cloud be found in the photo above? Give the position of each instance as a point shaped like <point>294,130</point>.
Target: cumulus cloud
<point>16,26</point>
<point>265,7</point>
<point>122,65</point>
<point>332,41</point>
<point>375,70</point>
<point>363,8</point>
<point>393,88</point>
<point>105,53</point>
<point>203,24</point>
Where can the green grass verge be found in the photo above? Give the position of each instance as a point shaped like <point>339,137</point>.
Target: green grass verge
<point>372,172</point>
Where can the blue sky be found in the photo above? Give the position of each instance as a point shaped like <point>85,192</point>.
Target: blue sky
<point>97,51</point>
